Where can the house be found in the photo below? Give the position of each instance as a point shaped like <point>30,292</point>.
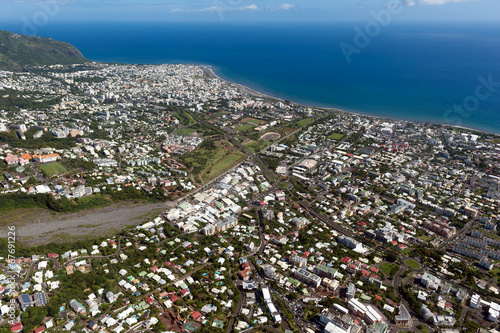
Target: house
<point>196,315</point>
<point>77,307</point>
<point>17,327</point>
<point>39,329</point>
<point>93,325</point>
<point>25,301</point>
<point>245,274</point>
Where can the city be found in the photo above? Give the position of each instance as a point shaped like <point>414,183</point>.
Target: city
<point>235,211</point>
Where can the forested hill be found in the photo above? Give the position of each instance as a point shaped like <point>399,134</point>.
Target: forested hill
<point>19,51</point>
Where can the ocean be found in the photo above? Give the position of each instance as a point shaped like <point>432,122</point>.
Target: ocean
<point>444,73</point>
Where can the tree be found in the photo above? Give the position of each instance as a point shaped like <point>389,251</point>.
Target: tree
<point>391,257</point>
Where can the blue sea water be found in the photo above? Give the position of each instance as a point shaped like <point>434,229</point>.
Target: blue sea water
<point>417,71</point>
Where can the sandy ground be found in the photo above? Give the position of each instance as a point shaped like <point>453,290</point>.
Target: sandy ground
<point>40,226</point>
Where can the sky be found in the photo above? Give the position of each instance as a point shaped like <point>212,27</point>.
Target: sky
<point>40,12</point>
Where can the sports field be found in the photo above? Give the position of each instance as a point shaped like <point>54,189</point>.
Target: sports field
<point>52,169</point>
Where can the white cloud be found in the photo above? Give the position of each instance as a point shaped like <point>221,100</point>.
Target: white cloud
<point>249,7</point>
<point>286,6</point>
<point>439,2</point>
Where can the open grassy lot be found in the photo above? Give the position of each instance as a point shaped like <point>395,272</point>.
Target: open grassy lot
<point>225,163</point>
<point>336,136</point>
<point>212,159</point>
<point>52,169</point>
<point>426,238</point>
<point>302,123</point>
<point>185,131</point>
<point>245,128</point>
<point>254,121</point>
<point>389,269</point>
<point>257,145</point>
<point>413,264</point>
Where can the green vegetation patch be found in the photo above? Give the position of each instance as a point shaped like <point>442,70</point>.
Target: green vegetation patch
<point>223,164</point>
<point>413,264</point>
<point>185,131</point>
<point>18,51</point>
<point>245,128</point>
<point>257,145</point>
<point>212,158</point>
<point>283,185</point>
<point>184,117</point>
<point>254,121</point>
<point>426,238</point>
<point>52,169</point>
<point>389,269</point>
<point>304,122</point>
<point>336,136</point>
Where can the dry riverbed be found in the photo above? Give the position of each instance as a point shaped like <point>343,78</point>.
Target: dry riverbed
<point>41,226</point>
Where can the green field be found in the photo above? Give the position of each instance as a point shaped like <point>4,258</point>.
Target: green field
<point>54,168</point>
<point>185,131</point>
<point>304,122</point>
<point>426,238</point>
<point>245,128</point>
<point>336,136</point>
<point>256,146</point>
<point>210,161</point>
<point>283,185</point>
<point>222,165</point>
<point>389,269</point>
<point>184,117</point>
<point>254,121</point>
<point>413,264</point>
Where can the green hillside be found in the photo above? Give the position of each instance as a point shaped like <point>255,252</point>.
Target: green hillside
<point>19,51</point>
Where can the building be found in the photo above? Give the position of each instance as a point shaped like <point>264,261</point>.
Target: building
<point>475,301</point>
<point>493,312</point>
<point>308,278</point>
<point>351,291</point>
<point>298,260</point>
<point>439,228</point>
<point>350,243</point>
<point>325,271</point>
<point>403,318</point>
<point>77,306</point>
<point>46,158</point>
<point>25,301</point>
<point>299,222</point>
<point>430,281</point>
<point>356,307</point>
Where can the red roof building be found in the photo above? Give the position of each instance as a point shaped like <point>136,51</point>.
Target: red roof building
<point>345,260</point>
<point>149,300</point>
<point>172,297</point>
<point>196,315</point>
<point>17,327</point>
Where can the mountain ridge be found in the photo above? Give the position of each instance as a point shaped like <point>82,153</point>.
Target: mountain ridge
<point>20,51</point>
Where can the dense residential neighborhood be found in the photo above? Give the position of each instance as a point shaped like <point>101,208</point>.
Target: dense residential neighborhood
<point>273,216</point>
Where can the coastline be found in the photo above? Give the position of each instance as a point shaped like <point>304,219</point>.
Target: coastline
<point>255,93</point>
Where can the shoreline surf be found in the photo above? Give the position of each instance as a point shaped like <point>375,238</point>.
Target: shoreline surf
<point>254,92</point>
